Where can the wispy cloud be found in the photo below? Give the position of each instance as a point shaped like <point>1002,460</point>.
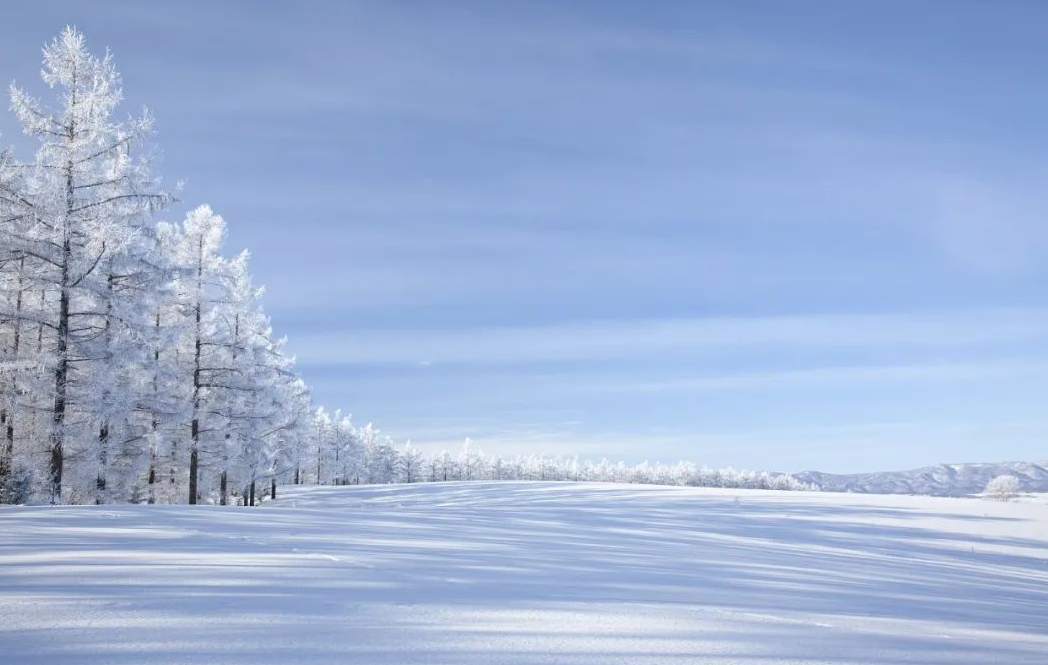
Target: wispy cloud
<point>842,376</point>
<point>660,337</point>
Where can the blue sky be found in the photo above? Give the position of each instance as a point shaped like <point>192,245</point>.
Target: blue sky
<point>776,235</point>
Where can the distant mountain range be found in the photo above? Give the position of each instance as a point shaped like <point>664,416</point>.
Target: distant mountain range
<point>940,480</point>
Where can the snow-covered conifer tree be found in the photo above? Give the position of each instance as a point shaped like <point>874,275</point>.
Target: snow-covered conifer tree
<point>201,287</point>
<point>89,193</point>
<point>411,464</point>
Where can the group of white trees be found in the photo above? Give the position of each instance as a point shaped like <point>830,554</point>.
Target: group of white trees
<point>136,362</point>
<point>347,455</point>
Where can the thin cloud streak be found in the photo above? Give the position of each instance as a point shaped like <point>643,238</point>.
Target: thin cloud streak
<point>822,377</point>
<point>654,337</point>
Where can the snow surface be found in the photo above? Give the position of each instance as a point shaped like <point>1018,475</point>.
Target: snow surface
<point>529,573</point>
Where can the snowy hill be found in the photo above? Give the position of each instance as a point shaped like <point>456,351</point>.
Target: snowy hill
<point>941,480</point>
<point>529,574</point>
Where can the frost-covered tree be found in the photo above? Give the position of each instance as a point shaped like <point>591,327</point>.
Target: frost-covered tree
<point>166,398</point>
<point>1002,488</point>
<point>322,449</point>
<point>201,287</point>
<point>412,462</point>
<point>90,189</point>
<point>446,466</point>
<point>346,448</point>
<point>20,366</point>
<point>297,453</point>
<point>469,461</point>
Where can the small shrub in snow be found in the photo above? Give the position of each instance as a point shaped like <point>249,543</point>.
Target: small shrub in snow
<point>1002,488</point>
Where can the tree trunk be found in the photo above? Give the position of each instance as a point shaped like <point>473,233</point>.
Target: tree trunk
<point>152,478</point>
<point>154,423</point>
<point>194,461</point>
<point>272,488</point>
<point>9,443</point>
<point>103,431</point>
<point>252,493</point>
<point>222,489</point>
<point>7,458</point>
<point>194,451</point>
<point>103,460</point>
<point>57,437</point>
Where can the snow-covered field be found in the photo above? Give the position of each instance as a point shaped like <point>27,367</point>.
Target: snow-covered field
<point>479,573</point>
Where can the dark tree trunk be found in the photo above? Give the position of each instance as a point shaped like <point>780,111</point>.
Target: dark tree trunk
<point>272,488</point>
<point>103,431</point>
<point>194,461</point>
<point>7,458</point>
<point>103,460</point>
<point>154,423</point>
<point>152,478</point>
<point>57,438</point>
<point>194,452</point>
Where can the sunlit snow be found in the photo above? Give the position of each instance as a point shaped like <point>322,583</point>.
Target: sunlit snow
<point>529,573</point>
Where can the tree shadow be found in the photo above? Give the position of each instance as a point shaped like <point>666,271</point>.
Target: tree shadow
<point>437,573</point>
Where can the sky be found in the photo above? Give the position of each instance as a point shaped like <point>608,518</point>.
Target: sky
<point>761,234</point>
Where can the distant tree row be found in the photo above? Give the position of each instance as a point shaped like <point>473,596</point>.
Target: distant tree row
<point>346,455</point>
<point>136,361</point>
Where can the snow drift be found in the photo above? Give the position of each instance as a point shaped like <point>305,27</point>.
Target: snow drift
<point>529,573</point>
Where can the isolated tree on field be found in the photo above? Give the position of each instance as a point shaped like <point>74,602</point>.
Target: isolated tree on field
<point>1002,488</point>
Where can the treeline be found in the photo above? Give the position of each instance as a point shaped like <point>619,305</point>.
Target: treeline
<point>347,455</point>
<point>136,361</point>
